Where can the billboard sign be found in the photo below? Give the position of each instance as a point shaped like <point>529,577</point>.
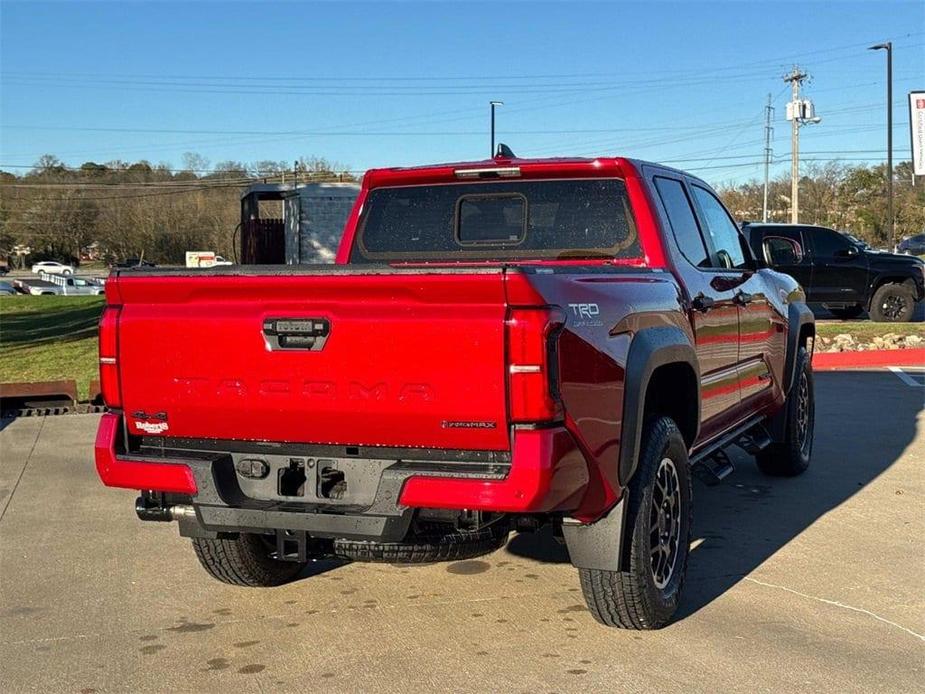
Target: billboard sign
<point>917,128</point>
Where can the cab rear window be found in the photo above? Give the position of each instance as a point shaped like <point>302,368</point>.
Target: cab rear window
<point>501,220</point>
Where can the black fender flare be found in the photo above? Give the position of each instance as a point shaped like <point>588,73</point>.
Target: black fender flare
<point>880,278</point>
<point>798,315</point>
<point>649,349</point>
<point>600,545</point>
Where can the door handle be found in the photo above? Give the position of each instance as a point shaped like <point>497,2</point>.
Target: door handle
<point>742,298</point>
<point>702,303</point>
<point>296,333</point>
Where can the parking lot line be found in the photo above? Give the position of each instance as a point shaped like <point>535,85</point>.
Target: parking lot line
<point>907,378</point>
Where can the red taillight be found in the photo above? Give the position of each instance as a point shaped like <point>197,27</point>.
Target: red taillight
<point>109,357</point>
<point>533,364</point>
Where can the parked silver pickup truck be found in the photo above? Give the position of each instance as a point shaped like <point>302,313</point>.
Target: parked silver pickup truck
<point>63,286</point>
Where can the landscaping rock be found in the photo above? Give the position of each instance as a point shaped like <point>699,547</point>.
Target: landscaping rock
<point>845,342</point>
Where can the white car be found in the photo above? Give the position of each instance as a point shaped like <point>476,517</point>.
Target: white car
<point>52,268</point>
<point>219,260</point>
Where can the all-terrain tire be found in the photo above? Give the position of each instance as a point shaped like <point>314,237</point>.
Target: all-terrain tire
<point>892,303</point>
<point>430,543</point>
<point>847,313</point>
<point>244,561</point>
<point>631,598</point>
<point>790,457</point>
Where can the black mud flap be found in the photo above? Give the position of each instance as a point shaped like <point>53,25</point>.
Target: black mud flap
<point>597,545</point>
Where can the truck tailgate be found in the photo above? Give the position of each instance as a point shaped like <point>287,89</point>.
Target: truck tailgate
<point>350,358</point>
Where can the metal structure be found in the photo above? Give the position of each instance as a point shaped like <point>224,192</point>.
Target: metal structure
<point>799,112</point>
<point>307,229</point>
<point>493,104</point>
<point>888,47</point>
<point>768,135</point>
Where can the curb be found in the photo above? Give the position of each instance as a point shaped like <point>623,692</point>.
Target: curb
<point>45,398</point>
<point>830,361</point>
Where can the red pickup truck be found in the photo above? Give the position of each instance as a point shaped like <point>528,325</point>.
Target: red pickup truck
<point>501,345</point>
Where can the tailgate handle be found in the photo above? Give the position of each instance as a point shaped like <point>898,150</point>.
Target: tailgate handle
<point>296,333</point>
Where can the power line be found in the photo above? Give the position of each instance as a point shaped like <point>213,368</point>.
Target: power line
<point>771,62</point>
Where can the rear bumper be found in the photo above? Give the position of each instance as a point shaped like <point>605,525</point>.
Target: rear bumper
<point>136,473</point>
<point>546,473</point>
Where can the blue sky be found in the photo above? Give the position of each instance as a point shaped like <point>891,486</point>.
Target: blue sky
<point>407,83</point>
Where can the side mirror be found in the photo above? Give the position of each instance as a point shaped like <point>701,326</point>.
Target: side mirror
<point>725,260</point>
<point>847,253</point>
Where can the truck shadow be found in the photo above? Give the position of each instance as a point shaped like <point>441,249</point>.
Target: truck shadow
<point>864,422</point>
<point>320,566</point>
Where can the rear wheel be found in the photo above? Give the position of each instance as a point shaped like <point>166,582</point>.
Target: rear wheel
<point>791,456</point>
<point>892,303</point>
<point>246,560</point>
<point>645,593</point>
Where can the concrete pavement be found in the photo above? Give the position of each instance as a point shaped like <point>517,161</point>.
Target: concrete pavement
<point>808,584</point>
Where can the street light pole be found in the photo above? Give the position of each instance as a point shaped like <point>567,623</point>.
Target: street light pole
<point>888,47</point>
<point>493,104</point>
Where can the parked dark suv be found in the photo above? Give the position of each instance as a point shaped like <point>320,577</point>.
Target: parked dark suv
<point>914,245</point>
<point>840,272</point>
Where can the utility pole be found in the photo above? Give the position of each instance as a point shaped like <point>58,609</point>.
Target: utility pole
<point>799,112</point>
<point>768,133</point>
<point>795,78</point>
<point>888,47</point>
<point>493,104</point>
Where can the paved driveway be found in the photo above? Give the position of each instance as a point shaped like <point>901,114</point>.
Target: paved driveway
<point>810,584</point>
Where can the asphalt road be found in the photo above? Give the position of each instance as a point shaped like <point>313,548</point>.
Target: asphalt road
<point>807,584</point>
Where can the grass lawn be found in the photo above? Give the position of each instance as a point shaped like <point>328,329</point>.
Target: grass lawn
<point>865,330</point>
<point>47,338</point>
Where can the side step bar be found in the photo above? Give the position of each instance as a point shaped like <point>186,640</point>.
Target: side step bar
<point>713,470</point>
<point>755,440</point>
<point>712,464</point>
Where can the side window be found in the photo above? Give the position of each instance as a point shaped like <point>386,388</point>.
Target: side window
<point>788,232</point>
<point>682,221</point>
<point>827,243</point>
<point>724,234</point>
<point>779,250</point>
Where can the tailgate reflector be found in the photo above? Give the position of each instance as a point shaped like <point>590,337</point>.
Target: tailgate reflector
<point>533,363</point>
<point>109,357</point>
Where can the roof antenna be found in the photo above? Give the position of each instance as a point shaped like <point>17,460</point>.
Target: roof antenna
<point>504,152</point>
